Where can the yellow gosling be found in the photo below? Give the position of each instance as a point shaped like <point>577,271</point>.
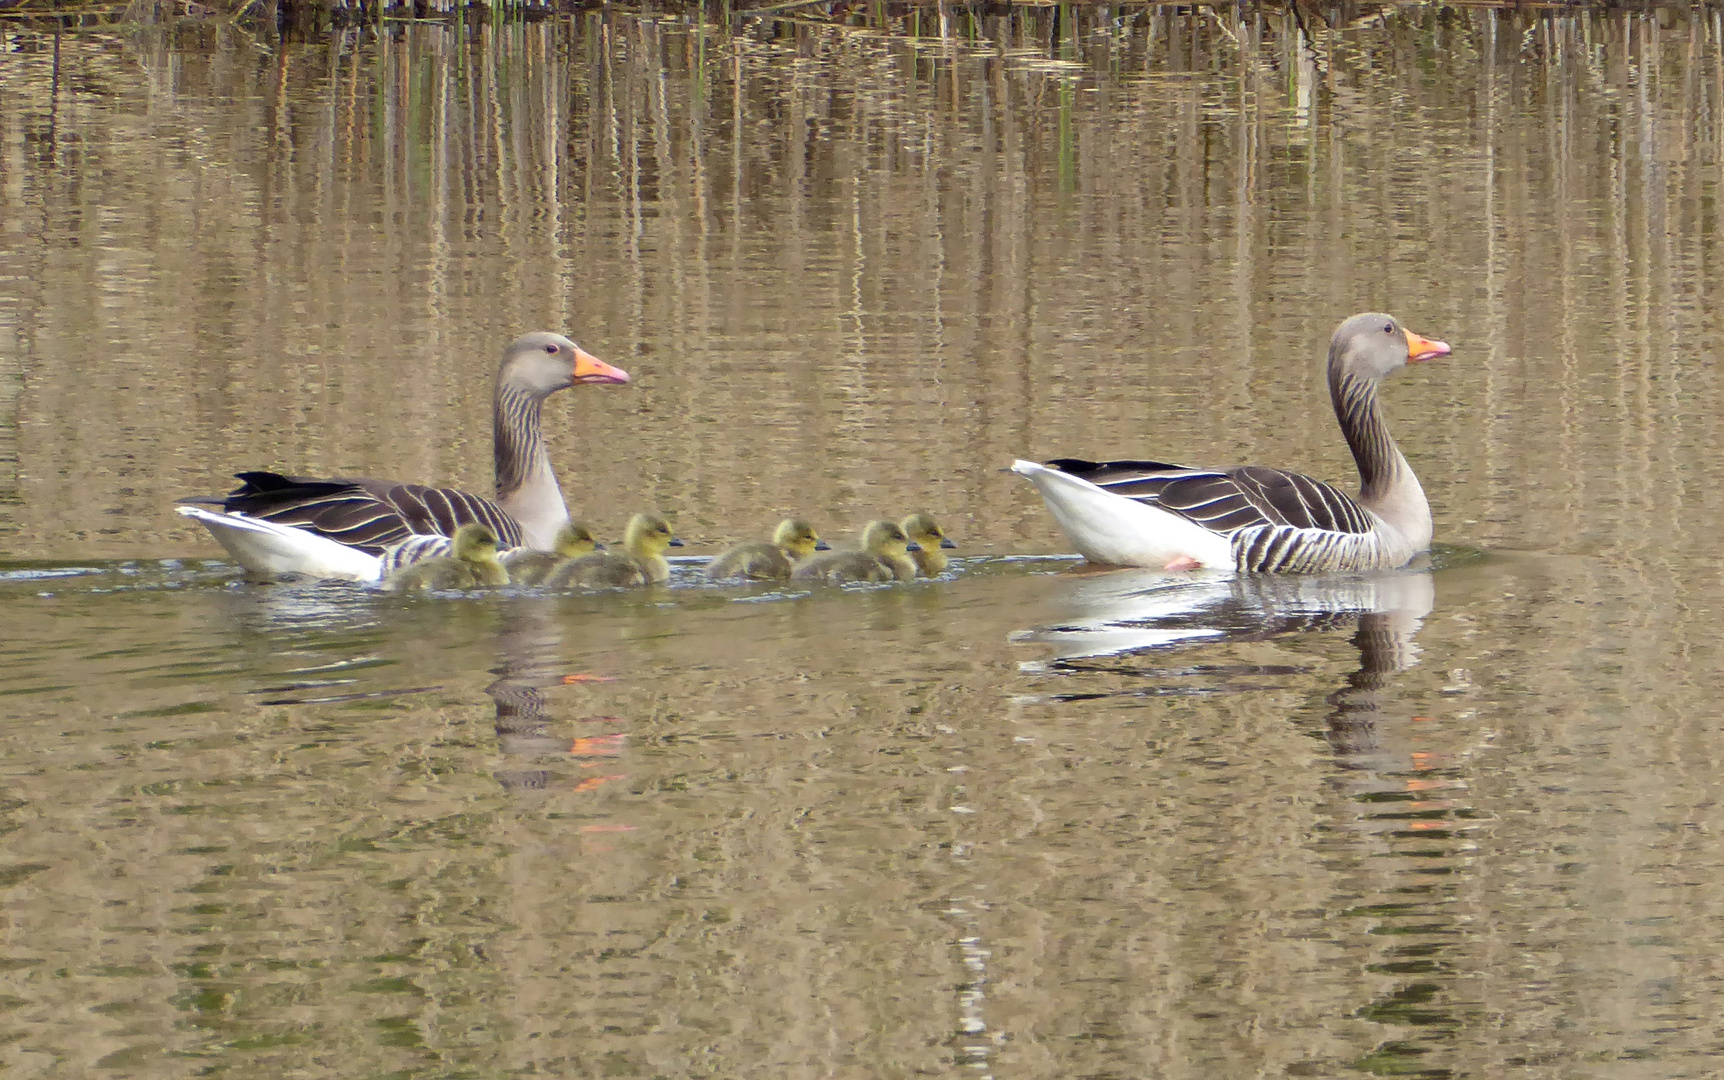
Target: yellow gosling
<point>529,567</point>
<point>472,563</point>
<point>768,560</point>
<point>641,562</point>
<point>883,557</point>
<point>929,538</point>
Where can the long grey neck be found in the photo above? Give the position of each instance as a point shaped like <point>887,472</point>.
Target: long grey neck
<point>526,487</point>
<point>1387,485</point>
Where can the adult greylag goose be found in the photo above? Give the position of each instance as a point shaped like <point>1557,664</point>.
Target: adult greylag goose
<point>883,556</point>
<point>641,562</point>
<point>337,527</point>
<point>768,560</point>
<point>472,563</point>
<point>1252,519</point>
<point>929,539</point>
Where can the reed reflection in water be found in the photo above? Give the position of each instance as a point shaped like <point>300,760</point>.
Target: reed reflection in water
<point>854,272</point>
<point>832,257</point>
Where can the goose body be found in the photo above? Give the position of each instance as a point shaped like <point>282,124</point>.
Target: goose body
<point>641,562</point>
<point>368,517</point>
<point>883,556</point>
<point>768,560</point>
<point>931,543</point>
<point>530,566</point>
<point>272,550</point>
<point>472,563</point>
<point>1253,519</point>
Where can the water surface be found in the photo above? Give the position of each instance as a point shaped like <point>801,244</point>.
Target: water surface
<point>1025,821</point>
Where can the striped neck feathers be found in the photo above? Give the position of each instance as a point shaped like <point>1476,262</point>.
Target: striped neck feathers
<point>1387,485</point>
<point>526,487</point>
<point>1380,463</point>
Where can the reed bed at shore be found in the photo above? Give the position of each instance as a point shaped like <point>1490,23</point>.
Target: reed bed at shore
<point>915,18</point>
<point>284,13</point>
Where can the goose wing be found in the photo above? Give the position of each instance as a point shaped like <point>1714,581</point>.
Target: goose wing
<point>1227,500</point>
<point>362,513</point>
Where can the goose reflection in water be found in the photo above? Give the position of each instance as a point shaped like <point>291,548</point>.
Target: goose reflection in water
<point>1395,810</point>
<point>528,644</point>
<point>1118,616</point>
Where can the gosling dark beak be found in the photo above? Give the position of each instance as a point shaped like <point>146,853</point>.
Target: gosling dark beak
<point>946,542</point>
<point>912,546</point>
<point>676,541</point>
<point>821,545</point>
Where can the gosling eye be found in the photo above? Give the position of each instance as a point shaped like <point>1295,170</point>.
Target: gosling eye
<point>552,349</point>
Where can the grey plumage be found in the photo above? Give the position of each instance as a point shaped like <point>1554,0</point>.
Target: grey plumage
<point>1279,521</point>
<point>374,515</point>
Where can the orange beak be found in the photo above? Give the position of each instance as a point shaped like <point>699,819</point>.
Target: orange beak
<point>590,369</point>
<point>1420,349</point>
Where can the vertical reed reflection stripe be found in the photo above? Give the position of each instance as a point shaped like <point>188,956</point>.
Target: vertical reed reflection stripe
<point>837,256</point>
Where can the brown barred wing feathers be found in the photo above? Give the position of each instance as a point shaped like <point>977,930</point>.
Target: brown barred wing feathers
<point>1225,500</point>
<point>366,514</point>
<point>1289,498</point>
<point>441,510</point>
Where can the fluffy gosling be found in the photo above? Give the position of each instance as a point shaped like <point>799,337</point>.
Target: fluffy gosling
<point>641,562</point>
<point>529,567</point>
<point>768,560</point>
<point>472,563</point>
<point>883,557</point>
<point>929,538</point>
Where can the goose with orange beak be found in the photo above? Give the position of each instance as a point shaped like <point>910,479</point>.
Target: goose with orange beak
<point>351,527</point>
<point>1252,519</point>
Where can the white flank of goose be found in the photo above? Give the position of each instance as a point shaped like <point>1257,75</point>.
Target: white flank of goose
<point>1251,519</point>
<point>346,527</point>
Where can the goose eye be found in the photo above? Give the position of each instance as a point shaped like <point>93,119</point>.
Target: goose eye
<point>1388,328</point>
<point>552,349</point>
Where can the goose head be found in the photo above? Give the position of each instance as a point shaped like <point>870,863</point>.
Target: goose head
<point>474,544</point>
<point>541,363</point>
<point>575,540</point>
<point>886,538</point>
<point>925,531</point>
<point>648,535</point>
<point>798,538</point>
<point>1372,345</point>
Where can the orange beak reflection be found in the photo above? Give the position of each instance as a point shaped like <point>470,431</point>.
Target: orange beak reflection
<point>590,369</point>
<point>1420,349</point>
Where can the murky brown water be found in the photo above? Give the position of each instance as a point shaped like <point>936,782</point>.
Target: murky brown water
<point>1461,820</point>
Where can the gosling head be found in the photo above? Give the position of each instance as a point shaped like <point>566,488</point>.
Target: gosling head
<point>798,538</point>
<point>648,535</point>
<point>574,540</point>
<point>886,538</point>
<point>474,543</point>
<point>925,531</point>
